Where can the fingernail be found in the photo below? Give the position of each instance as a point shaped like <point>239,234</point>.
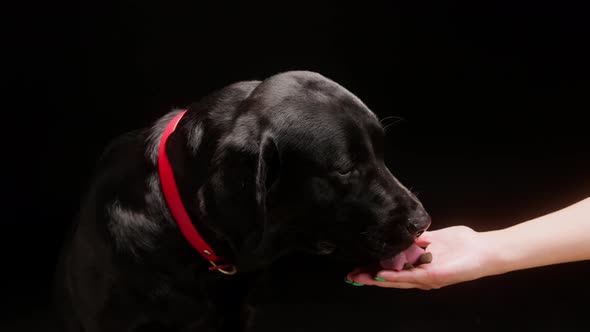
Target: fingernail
<point>379,279</point>
<point>357,284</point>
<point>348,281</point>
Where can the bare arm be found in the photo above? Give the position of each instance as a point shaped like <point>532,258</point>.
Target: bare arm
<point>559,237</point>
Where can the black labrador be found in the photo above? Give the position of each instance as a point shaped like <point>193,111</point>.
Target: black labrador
<point>263,168</point>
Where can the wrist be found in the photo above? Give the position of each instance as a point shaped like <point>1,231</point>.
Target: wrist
<point>499,256</point>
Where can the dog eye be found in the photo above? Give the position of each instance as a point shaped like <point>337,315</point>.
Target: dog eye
<point>345,173</point>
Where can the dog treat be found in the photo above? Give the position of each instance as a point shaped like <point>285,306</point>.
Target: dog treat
<point>425,258</point>
<point>397,262</point>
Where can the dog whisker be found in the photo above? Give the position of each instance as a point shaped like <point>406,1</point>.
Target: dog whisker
<point>398,118</point>
<point>386,126</point>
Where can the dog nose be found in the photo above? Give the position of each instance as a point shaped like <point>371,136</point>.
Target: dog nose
<point>419,223</point>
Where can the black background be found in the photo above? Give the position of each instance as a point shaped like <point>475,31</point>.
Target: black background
<point>492,99</point>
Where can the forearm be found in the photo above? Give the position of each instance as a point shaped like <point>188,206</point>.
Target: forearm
<point>560,237</point>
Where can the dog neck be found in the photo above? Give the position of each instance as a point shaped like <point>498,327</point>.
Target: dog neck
<point>176,206</point>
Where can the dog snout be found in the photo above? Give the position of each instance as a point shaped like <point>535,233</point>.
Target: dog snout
<point>418,222</point>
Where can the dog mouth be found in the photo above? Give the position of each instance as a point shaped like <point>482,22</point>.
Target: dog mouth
<point>410,256</point>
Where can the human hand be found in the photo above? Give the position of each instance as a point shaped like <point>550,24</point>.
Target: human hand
<point>458,254</point>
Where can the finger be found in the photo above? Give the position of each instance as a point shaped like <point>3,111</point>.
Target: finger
<point>368,279</point>
<point>390,284</point>
<point>416,275</point>
<point>354,272</point>
<point>364,278</point>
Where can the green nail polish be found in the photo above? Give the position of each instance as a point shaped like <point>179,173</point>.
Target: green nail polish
<point>379,279</point>
<point>357,284</point>
<point>348,281</point>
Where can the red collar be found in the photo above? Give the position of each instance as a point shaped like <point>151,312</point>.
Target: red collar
<point>177,209</point>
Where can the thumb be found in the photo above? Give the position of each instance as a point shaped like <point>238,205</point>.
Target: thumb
<point>425,239</point>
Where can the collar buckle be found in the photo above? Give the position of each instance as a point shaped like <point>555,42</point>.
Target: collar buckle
<point>228,269</point>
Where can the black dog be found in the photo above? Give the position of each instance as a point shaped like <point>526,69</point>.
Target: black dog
<point>292,163</point>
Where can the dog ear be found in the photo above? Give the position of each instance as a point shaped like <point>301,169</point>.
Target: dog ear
<point>245,168</point>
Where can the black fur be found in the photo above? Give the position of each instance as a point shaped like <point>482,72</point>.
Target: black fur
<point>292,163</point>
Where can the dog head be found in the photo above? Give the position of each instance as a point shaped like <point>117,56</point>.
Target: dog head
<point>300,167</point>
